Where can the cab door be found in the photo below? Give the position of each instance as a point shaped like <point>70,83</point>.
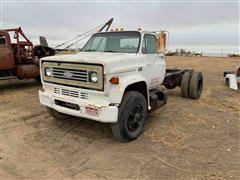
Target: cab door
<point>155,66</point>
<point>6,54</point>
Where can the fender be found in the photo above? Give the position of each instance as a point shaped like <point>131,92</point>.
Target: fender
<point>117,91</point>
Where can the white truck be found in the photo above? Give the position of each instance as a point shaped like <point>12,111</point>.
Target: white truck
<point>117,78</point>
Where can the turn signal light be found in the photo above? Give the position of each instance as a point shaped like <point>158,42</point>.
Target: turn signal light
<point>114,80</point>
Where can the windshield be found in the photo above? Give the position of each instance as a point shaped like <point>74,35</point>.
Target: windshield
<point>123,42</point>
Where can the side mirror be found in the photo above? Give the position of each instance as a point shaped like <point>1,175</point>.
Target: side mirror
<point>162,42</point>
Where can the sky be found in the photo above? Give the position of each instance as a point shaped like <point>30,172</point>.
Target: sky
<point>189,22</point>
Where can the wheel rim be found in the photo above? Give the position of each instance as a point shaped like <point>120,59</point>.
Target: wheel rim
<point>135,118</point>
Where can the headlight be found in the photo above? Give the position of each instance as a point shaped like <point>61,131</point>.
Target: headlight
<point>48,72</point>
<point>93,77</point>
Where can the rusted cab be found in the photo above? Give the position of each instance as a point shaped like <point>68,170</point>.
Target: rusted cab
<point>6,53</point>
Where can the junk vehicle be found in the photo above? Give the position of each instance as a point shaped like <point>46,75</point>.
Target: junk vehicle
<point>18,57</point>
<point>232,78</point>
<point>117,78</point>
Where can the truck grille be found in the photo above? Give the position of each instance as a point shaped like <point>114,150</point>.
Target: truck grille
<point>79,75</point>
<point>67,92</point>
<point>73,74</point>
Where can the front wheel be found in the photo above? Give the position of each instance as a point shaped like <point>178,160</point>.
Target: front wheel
<point>131,118</point>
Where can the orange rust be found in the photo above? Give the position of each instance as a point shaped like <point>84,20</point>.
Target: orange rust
<point>162,39</point>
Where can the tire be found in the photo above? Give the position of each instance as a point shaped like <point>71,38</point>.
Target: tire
<point>57,115</point>
<point>196,85</point>
<point>185,84</point>
<point>131,118</point>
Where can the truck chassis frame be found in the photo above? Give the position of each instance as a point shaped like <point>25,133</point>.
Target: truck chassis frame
<point>174,76</point>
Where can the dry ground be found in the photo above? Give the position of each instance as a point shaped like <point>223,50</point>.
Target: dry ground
<point>186,139</point>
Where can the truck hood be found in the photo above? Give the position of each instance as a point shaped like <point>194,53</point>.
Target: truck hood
<point>112,62</point>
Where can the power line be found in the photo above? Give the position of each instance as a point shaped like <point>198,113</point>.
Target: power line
<point>78,37</point>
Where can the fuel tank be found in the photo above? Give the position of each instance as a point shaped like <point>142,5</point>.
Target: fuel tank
<point>27,71</point>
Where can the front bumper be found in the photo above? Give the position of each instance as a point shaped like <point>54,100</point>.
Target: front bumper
<point>97,112</point>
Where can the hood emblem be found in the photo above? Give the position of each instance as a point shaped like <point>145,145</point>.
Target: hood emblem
<point>68,74</point>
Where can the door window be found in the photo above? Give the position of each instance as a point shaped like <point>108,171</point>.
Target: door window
<point>149,44</point>
<point>3,40</point>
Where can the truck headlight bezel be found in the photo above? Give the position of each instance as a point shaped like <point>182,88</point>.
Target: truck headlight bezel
<point>93,77</point>
<point>82,69</point>
<point>48,71</point>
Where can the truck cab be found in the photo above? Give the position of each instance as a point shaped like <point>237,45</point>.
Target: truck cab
<point>113,68</point>
<point>6,56</point>
<point>115,79</point>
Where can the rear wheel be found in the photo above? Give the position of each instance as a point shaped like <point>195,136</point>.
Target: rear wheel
<point>57,115</point>
<point>131,118</point>
<point>196,85</point>
<point>185,84</point>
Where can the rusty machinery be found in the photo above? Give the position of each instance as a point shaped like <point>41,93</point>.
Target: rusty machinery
<point>19,58</point>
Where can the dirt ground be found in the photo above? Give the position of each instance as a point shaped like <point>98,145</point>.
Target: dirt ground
<point>186,139</point>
